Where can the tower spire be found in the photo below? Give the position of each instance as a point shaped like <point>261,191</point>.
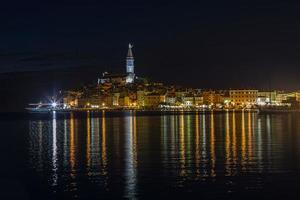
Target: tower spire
<point>129,54</point>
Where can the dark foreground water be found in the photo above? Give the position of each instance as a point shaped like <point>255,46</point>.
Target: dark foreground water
<point>129,155</point>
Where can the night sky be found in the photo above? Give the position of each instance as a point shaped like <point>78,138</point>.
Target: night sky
<point>203,44</point>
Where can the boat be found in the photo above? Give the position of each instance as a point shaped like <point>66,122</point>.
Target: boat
<point>43,107</point>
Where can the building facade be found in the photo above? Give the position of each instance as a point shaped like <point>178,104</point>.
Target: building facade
<point>154,100</point>
<point>211,97</point>
<point>266,98</point>
<point>243,97</point>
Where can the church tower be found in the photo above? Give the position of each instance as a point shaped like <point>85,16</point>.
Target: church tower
<point>130,65</point>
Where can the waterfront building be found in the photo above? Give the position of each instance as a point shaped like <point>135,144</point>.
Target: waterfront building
<point>188,100</point>
<point>88,102</point>
<point>211,97</point>
<point>127,99</point>
<point>266,97</point>
<point>154,99</point>
<point>124,101</point>
<point>243,97</point>
<point>116,97</point>
<point>71,98</point>
<point>70,101</point>
<point>226,101</point>
<point>198,100</point>
<point>171,99</point>
<point>283,97</point>
<point>140,94</point>
<point>107,100</point>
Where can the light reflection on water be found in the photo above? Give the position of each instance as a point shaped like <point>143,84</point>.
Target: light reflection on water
<point>54,150</point>
<point>125,156</point>
<point>130,156</point>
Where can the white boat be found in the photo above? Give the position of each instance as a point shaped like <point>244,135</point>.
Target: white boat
<point>43,107</point>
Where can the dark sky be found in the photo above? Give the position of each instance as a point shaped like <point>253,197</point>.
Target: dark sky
<point>209,44</point>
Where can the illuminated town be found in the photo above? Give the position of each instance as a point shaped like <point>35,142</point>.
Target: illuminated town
<point>150,100</point>
<point>129,91</point>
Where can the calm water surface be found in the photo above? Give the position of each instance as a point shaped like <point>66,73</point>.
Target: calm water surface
<point>134,156</point>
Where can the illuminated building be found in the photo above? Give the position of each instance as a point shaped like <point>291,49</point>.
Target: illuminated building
<point>243,97</point>
<point>71,98</point>
<point>171,99</point>
<point>198,100</point>
<point>211,97</point>
<point>154,99</point>
<point>140,98</point>
<point>107,100</point>
<point>116,97</point>
<point>121,79</point>
<point>130,65</point>
<point>266,98</point>
<point>113,78</point>
<point>124,101</point>
<point>96,101</point>
<point>73,102</point>
<point>188,100</point>
<point>88,102</point>
<point>283,97</point>
<point>262,101</point>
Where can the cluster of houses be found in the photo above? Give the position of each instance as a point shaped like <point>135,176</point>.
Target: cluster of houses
<point>156,95</point>
<point>129,91</point>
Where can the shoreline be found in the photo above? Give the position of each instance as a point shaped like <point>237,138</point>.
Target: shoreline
<point>97,110</point>
<point>123,113</point>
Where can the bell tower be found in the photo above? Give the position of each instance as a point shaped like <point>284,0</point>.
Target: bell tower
<point>130,65</point>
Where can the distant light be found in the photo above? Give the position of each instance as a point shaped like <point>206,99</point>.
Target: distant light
<point>54,104</point>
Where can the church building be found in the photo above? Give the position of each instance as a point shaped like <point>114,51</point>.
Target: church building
<point>129,77</point>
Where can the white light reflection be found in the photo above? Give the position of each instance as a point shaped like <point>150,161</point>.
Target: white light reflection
<point>269,140</point>
<point>65,147</point>
<point>94,143</point>
<point>259,144</point>
<point>204,150</point>
<point>227,147</point>
<point>88,140</point>
<point>164,138</point>
<point>72,147</point>
<point>182,147</point>
<point>243,142</point>
<point>103,145</point>
<point>54,150</point>
<point>234,142</point>
<point>130,157</point>
<point>212,145</point>
<point>197,144</point>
